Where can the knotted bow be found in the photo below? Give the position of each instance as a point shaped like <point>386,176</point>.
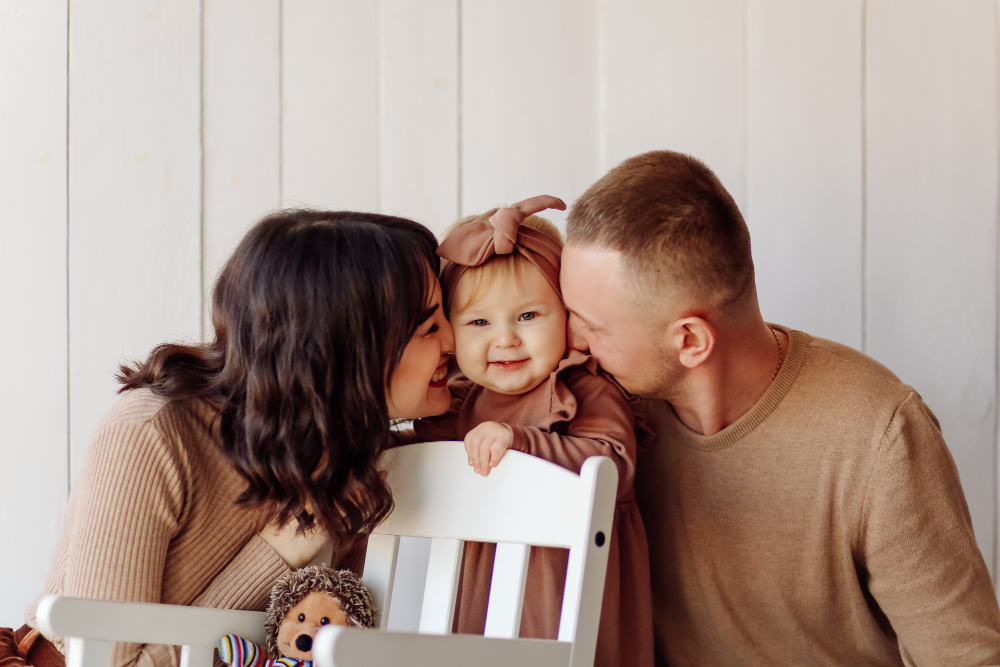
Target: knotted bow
<point>499,232</point>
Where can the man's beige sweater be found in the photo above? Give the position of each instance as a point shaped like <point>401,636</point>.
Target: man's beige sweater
<point>827,526</point>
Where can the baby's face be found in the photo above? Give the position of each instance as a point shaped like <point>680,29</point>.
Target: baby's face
<point>513,337</point>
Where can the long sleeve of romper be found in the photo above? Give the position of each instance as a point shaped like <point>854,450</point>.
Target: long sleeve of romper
<point>917,547</point>
<point>603,426</point>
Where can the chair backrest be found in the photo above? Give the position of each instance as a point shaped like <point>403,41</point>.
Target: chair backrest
<point>90,626</point>
<point>525,501</point>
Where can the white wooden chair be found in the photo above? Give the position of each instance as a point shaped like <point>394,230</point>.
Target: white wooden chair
<point>524,501</point>
<point>90,626</point>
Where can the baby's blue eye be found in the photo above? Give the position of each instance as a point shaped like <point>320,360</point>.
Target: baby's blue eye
<point>479,323</point>
<point>527,317</point>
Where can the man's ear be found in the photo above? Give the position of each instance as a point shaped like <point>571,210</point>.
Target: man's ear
<point>694,340</point>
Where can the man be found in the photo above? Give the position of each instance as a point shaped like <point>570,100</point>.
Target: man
<point>800,503</point>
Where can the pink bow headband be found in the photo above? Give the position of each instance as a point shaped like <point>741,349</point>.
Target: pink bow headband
<point>499,232</point>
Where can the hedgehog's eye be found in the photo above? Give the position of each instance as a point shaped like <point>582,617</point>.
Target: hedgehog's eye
<point>324,621</point>
<point>302,618</point>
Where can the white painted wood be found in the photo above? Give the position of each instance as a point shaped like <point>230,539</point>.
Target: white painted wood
<point>135,192</point>
<point>433,496</point>
<point>33,407</point>
<point>380,573</point>
<point>143,623</point>
<point>197,656</point>
<point>337,646</point>
<point>804,164</point>
<point>588,561</point>
<point>443,568</point>
<point>425,507</point>
<point>674,73</point>
<point>932,221</point>
<point>418,110</point>
<point>408,589</point>
<point>510,571</point>
<point>241,88</point>
<point>84,653</point>
<point>330,104</point>
<point>529,92</point>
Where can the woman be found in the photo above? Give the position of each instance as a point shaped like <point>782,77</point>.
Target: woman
<point>224,465</point>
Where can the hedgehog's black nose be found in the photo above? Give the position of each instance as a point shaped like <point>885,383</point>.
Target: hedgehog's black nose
<point>304,643</point>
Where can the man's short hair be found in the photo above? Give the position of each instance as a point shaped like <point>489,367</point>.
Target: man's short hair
<point>672,220</point>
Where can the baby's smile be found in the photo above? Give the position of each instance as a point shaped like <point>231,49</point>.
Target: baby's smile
<point>512,337</point>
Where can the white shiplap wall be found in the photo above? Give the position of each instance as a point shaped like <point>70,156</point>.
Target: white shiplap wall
<point>140,138</point>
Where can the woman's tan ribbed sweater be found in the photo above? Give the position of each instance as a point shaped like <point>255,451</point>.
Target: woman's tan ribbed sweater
<point>153,518</point>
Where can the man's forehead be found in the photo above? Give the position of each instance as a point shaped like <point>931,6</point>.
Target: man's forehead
<point>591,281</point>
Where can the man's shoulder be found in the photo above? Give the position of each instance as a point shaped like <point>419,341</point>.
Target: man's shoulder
<point>846,372</point>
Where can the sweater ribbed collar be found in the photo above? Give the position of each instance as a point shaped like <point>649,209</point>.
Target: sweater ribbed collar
<point>798,343</point>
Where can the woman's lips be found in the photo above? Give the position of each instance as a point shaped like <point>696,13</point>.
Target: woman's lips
<point>440,377</point>
<point>508,365</point>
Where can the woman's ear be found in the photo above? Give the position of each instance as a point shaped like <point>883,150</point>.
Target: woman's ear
<point>694,340</point>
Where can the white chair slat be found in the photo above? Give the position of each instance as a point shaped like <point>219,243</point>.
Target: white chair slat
<point>197,656</point>
<point>547,516</point>
<point>588,562</point>
<point>380,573</point>
<point>443,568</point>
<point>88,653</point>
<point>339,647</point>
<point>510,570</point>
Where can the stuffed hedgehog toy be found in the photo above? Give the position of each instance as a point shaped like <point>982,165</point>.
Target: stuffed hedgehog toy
<point>301,603</point>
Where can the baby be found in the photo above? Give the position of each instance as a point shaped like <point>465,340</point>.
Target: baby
<point>522,388</point>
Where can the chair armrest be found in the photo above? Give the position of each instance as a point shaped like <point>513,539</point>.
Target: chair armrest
<point>144,623</point>
<point>337,646</point>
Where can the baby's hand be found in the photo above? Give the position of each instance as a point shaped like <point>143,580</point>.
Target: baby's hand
<point>486,444</point>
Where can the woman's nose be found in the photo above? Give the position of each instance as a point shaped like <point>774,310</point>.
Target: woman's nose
<point>447,338</point>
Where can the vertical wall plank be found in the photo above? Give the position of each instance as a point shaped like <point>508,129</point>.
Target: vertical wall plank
<point>675,80</point>
<point>529,101</point>
<point>932,220</point>
<point>240,110</point>
<point>135,192</point>
<point>804,164</point>
<point>33,296</point>
<point>330,104</point>
<point>418,106</point>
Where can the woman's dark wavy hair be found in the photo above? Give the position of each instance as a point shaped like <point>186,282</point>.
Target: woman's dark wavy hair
<point>311,313</point>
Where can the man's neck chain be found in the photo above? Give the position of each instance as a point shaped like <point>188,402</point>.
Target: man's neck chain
<point>781,352</point>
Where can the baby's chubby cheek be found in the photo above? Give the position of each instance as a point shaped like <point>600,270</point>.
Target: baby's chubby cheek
<point>299,627</point>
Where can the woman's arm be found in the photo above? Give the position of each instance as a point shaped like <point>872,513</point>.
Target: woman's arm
<point>124,510</point>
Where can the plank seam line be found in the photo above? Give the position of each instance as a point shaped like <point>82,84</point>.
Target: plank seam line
<point>746,110</point>
<point>864,176</point>
<point>69,474</point>
<point>602,87</point>
<point>996,321</point>
<point>201,166</point>
<point>458,102</point>
<point>281,103</point>
<point>378,105</point>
